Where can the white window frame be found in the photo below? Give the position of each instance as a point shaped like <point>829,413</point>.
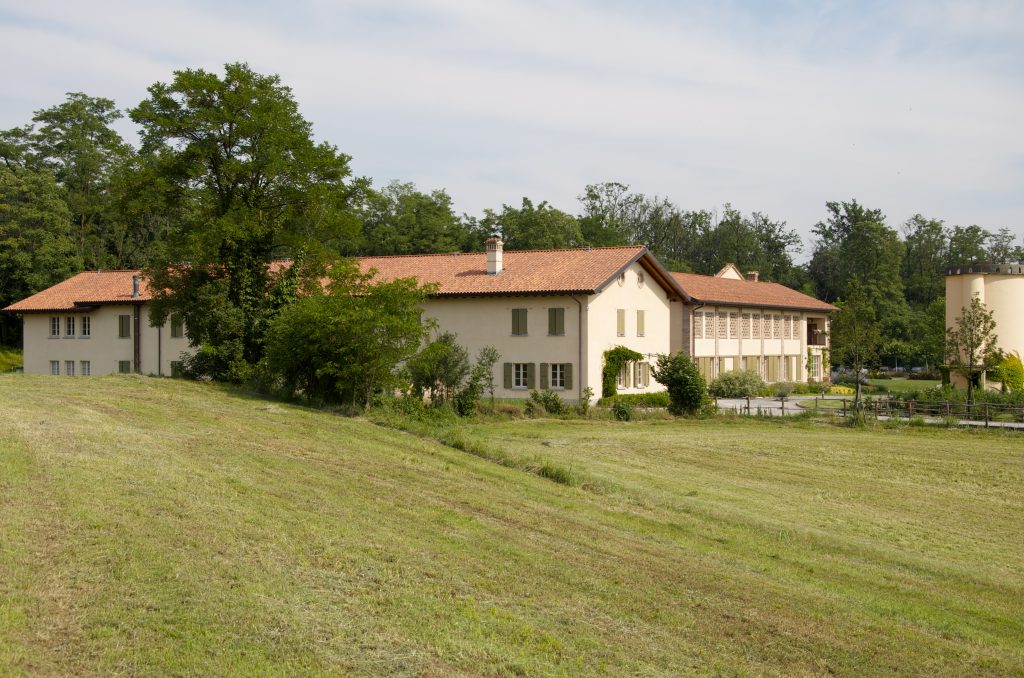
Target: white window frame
<point>86,326</point>
<point>85,368</point>
<point>69,368</point>
<point>54,326</point>
<point>69,325</point>
<point>520,376</point>
<point>557,381</point>
<point>55,368</point>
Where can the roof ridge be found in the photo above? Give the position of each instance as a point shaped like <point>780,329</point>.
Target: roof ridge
<point>453,254</point>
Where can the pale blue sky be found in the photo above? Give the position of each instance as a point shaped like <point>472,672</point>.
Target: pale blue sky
<point>777,107</point>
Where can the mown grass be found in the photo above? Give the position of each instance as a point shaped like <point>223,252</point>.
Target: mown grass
<point>10,359</point>
<point>165,527</point>
<point>902,384</point>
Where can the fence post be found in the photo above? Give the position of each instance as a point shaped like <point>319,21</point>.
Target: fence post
<point>844,407</point>
<point>985,407</point>
<point>748,406</point>
<point>783,404</point>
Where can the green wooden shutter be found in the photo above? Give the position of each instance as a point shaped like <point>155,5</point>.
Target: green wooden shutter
<point>544,376</point>
<point>568,376</point>
<point>515,321</point>
<point>645,372</point>
<point>639,323</point>
<point>508,375</point>
<point>552,321</point>
<point>561,321</point>
<point>124,326</point>
<point>620,322</point>
<point>531,376</point>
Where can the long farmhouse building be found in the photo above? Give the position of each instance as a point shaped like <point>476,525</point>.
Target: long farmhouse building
<point>551,314</point>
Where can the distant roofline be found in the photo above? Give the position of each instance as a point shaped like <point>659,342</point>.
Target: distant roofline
<point>985,267</point>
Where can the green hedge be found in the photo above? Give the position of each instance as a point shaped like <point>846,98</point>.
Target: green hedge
<point>658,399</point>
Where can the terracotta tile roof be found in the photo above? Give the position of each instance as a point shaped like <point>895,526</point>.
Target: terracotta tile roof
<point>575,271</point>
<point>85,289</point>
<point>707,289</point>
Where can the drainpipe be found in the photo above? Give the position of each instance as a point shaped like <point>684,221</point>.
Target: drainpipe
<point>138,338</point>
<point>579,334</point>
<point>693,330</point>
<point>159,351</point>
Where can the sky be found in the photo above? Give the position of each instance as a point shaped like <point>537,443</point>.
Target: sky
<point>910,107</point>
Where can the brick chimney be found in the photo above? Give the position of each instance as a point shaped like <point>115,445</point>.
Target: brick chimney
<point>494,251</point>
<point>752,275</point>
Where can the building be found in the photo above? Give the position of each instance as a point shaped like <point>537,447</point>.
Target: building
<point>1001,288</point>
<point>97,323</point>
<point>551,314</point>
<point>732,322</point>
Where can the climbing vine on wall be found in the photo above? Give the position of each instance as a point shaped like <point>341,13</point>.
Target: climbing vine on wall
<point>614,359</point>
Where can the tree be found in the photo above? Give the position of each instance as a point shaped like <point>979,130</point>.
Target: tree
<point>483,371</point>
<point>401,220</point>
<point>972,346</point>
<point>532,227</point>
<point>346,343</point>
<point>856,339</point>
<point>926,253</point>
<point>36,250</point>
<point>611,214</point>
<point>752,243</point>
<point>439,369</point>
<point>251,184</point>
<point>967,246</point>
<point>1001,249</point>
<point>687,390</point>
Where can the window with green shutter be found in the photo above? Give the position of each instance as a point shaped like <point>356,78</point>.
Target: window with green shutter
<point>639,323</point>
<point>545,372</point>
<point>620,322</point>
<point>124,326</point>
<point>518,322</point>
<point>556,321</point>
<point>177,327</point>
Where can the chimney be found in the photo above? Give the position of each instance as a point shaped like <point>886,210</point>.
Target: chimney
<point>494,250</point>
<point>135,287</point>
<point>752,275</point>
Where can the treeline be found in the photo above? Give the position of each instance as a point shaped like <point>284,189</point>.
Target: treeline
<point>227,176</point>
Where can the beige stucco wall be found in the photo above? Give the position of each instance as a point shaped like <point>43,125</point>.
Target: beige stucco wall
<point>1002,294</point>
<point>482,321</point>
<point>601,332</point>
<point>102,348</point>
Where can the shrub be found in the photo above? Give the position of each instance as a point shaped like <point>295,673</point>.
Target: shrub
<point>842,390</point>
<point>583,406</point>
<point>622,410</point>
<point>658,399</point>
<point>737,384</point>
<point>687,390</point>
<point>545,401</point>
<point>614,359</point>
<point>783,389</point>
<point>1011,370</point>
<point>917,421</point>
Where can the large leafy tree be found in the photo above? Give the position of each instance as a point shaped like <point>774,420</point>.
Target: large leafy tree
<point>238,160</point>
<point>36,250</point>
<point>398,219</point>
<point>972,346</point>
<point>926,252</point>
<point>752,242</point>
<point>856,339</point>
<point>967,245</point>
<point>532,227</point>
<point>346,342</point>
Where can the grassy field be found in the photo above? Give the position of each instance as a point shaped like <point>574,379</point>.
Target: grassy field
<point>161,527</point>
<point>903,385</point>
<point>10,358</point>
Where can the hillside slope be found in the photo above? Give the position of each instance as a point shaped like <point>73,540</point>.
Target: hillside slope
<point>165,527</point>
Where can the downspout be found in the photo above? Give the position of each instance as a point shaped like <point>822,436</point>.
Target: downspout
<point>159,351</point>
<point>693,330</point>
<point>138,339</point>
<point>579,334</point>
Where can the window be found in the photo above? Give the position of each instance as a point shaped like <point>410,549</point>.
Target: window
<point>86,368</point>
<point>698,325</point>
<point>752,364</point>
<point>816,367</point>
<point>55,367</point>
<point>54,327</point>
<point>124,326</point>
<point>709,325</point>
<point>625,374</point>
<point>124,366</point>
<point>620,322</point>
<point>734,325</point>
<point>521,375</point>
<point>518,322</point>
<point>795,334</point>
<point>755,326</point>
<point>558,375</point>
<point>639,323</point>
<point>722,318</point>
<point>556,321</point>
<point>86,326</point>
<point>177,327</point>
<point>776,327</point>
<point>176,368</point>
<point>641,374</point>
<point>745,322</point>
<point>69,368</point>
<point>69,326</point>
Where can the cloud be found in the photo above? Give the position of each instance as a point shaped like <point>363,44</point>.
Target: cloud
<point>910,108</point>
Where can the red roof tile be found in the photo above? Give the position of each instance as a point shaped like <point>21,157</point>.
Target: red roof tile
<point>707,289</point>
<point>576,271</point>
<point>85,289</point>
